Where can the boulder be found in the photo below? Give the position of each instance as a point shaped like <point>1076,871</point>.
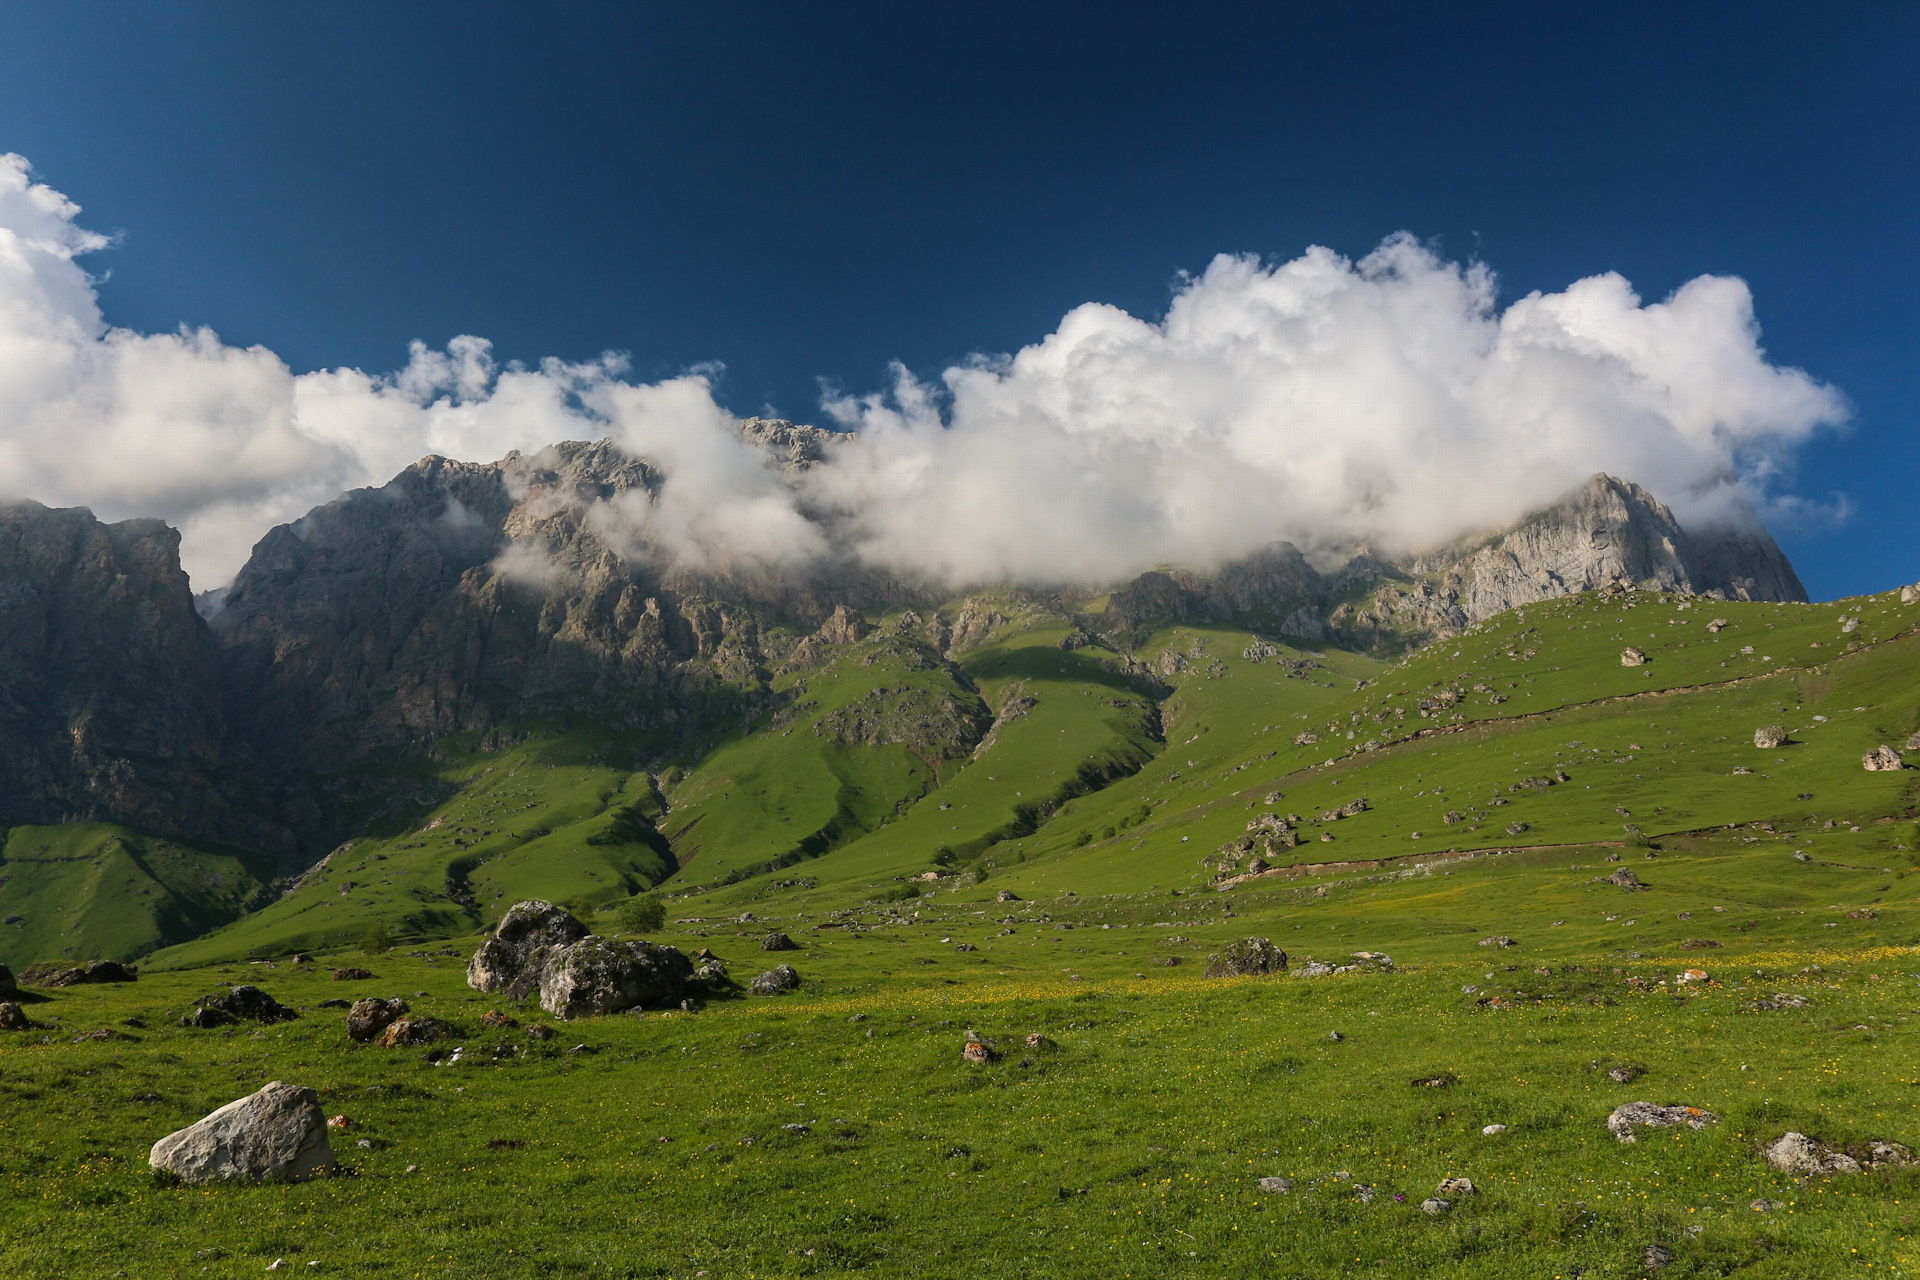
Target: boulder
<point>1456,1187</point>
<point>510,960</point>
<point>406,1032</point>
<point>246,1003</point>
<point>1909,594</point>
<point>1008,895</point>
<point>595,975</point>
<point>1625,878</point>
<point>12,1017</point>
<point>1882,758</point>
<point>778,942</point>
<point>1913,743</point>
<point>978,1051</point>
<point>1435,1206</point>
<point>1631,657</point>
<point>1279,1186</point>
<point>775,980</point>
<point>351,974</point>
<point>369,1017</point>
<point>1653,1116</point>
<point>1769,736</point>
<point>1498,940</point>
<point>497,1020</point>
<point>1797,1153</point>
<point>277,1134</point>
<point>53,975</point>
<point>1249,957</point>
<point>1657,1257</point>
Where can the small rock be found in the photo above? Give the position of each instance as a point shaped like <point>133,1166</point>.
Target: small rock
<point>1364,1193</point>
<point>778,942</point>
<point>1631,657</point>
<point>1626,1073</point>
<point>1335,1036</point>
<point>12,1017</point>
<point>1769,736</point>
<point>1657,1257</point>
<point>351,975</point>
<point>497,1020</point>
<point>1278,1186</point>
<point>1249,957</point>
<point>1625,878</point>
<point>244,1002</point>
<point>539,1031</point>
<point>1435,1206</point>
<point>407,1032</point>
<point>1007,895</point>
<point>1498,940</point>
<point>1797,1153</point>
<point>797,1128</point>
<point>1492,1129</point>
<point>1764,1205</point>
<point>369,1017</point>
<point>978,1051</point>
<point>1653,1116</point>
<point>1457,1188</point>
<point>1801,855</point>
<point>774,981</point>
<point>277,1134</point>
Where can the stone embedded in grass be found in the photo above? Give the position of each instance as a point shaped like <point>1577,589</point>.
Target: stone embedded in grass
<point>371,1016</point>
<point>1625,1072</point>
<point>1007,895</point>
<point>1458,1188</point>
<point>1498,940</point>
<point>352,975</point>
<point>778,942</point>
<point>596,976</point>
<point>1493,1129</point>
<point>1445,1080</point>
<point>13,1017</point>
<point>243,1003</point>
<point>775,980</point>
<point>1277,1186</point>
<point>1625,878</point>
<point>1631,657</point>
<point>1657,1257</point>
<point>978,1051</point>
<point>1434,1206</point>
<point>1882,759</point>
<point>1249,957</point>
<point>1797,1153</point>
<point>1767,737</point>
<point>1653,1116</point>
<point>539,1031</point>
<point>1913,743</point>
<point>1764,1205</point>
<point>497,1020</point>
<point>277,1134</point>
<point>408,1032</point>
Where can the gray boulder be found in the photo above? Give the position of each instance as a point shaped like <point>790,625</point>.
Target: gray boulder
<point>595,975</point>
<point>1631,657</point>
<point>242,1003</point>
<point>511,960</point>
<point>1769,736</point>
<point>12,1016</point>
<point>1249,957</point>
<point>369,1017</point>
<point>1799,1154</point>
<point>1882,758</point>
<point>1913,743</point>
<point>775,980</point>
<point>1653,1116</point>
<point>1626,879</point>
<point>277,1134</point>
<point>778,942</point>
<point>1498,940</point>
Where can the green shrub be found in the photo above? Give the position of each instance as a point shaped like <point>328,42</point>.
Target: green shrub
<point>642,913</point>
<point>375,940</point>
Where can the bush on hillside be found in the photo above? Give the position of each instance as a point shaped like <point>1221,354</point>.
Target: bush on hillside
<point>642,913</point>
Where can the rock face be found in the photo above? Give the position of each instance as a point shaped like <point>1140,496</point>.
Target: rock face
<point>1249,957</point>
<point>1653,1116</point>
<point>277,1134</point>
<point>110,706</point>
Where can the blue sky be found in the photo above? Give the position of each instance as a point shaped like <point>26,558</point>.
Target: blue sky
<point>806,193</point>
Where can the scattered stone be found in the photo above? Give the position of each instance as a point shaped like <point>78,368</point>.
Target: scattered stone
<point>778,942</point>
<point>371,1016</point>
<point>1626,1073</point>
<point>966,946</point>
<point>1277,1186</point>
<point>539,1031</point>
<point>1882,759</point>
<point>1764,1205</point>
<point>1657,1257</point>
<point>1625,878</point>
<point>1913,743</point>
<point>1781,1000</point>
<point>1458,1188</point>
<point>1801,855</point>
<point>1498,940</point>
<point>1435,1206</point>
<point>775,980</point>
<point>1653,1116</point>
<point>1631,657</point>
<point>1036,1042</point>
<point>1445,1080</point>
<point>1007,895</point>
<point>1516,828</point>
<point>1364,1193</point>
<point>978,1051</point>
<point>250,1004</point>
<point>497,1020</point>
<point>1717,625</point>
<point>1770,736</point>
<point>1493,1130</point>
<point>1909,594</point>
<point>351,974</point>
<point>1249,957</point>
<point>1335,1036</point>
<point>277,1134</point>
<point>12,1017</point>
<point>1797,1153</point>
<point>407,1032</point>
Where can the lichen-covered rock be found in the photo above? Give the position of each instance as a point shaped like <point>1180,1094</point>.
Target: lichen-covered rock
<point>1625,878</point>
<point>1882,758</point>
<point>512,959</point>
<point>277,1134</point>
<point>406,1032</point>
<point>1631,657</point>
<point>595,975</point>
<point>775,980</point>
<point>1249,957</point>
<point>12,1016</point>
<point>1769,736</point>
<point>371,1016</point>
<point>778,942</point>
<point>243,1003</point>
<point>1653,1116</point>
<point>1799,1154</point>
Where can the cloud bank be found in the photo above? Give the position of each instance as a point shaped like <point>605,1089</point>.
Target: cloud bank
<point>1391,401</point>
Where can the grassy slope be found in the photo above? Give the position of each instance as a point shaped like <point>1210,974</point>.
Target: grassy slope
<point>88,890</point>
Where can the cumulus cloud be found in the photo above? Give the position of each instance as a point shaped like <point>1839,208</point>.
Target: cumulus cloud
<point>1332,403</point>
<point>1389,401</point>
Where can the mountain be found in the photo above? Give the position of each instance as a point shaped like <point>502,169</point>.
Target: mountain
<point>358,691</point>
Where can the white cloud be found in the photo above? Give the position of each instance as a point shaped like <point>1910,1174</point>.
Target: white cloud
<point>1329,402</point>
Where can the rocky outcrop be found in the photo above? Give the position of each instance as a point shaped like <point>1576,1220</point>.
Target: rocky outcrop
<point>540,948</point>
<point>512,959</point>
<point>278,1134</point>
<point>1796,1153</point>
<point>110,707</point>
<point>237,1004</point>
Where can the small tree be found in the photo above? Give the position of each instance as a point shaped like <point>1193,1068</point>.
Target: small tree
<point>375,940</point>
<point>643,913</point>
